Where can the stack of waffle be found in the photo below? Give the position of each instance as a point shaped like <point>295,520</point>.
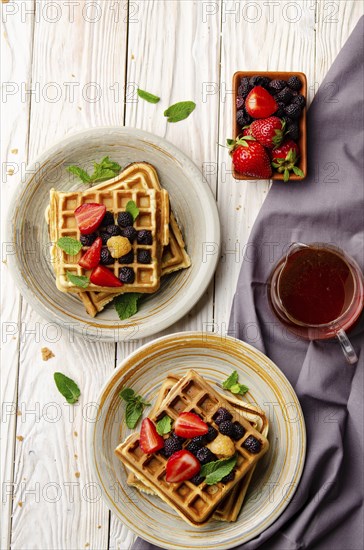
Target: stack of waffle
<point>196,504</point>
<point>138,182</point>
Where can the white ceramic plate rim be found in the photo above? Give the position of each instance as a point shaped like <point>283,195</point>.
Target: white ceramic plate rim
<point>124,367</point>
<point>110,334</point>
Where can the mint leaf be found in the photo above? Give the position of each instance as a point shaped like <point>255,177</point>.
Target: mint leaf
<point>78,280</point>
<point>231,380</point>
<point>148,96</point>
<point>134,411</point>
<point>126,304</point>
<point>127,394</point>
<point>80,173</point>
<point>132,208</point>
<point>179,111</point>
<point>67,387</point>
<point>69,245</point>
<point>164,425</point>
<point>239,389</point>
<point>213,472</point>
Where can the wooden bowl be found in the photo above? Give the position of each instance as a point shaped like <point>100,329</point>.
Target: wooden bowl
<point>302,142</point>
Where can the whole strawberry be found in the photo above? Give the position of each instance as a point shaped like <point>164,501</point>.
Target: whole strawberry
<point>268,131</point>
<point>285,157</point>
<point>250,158</point>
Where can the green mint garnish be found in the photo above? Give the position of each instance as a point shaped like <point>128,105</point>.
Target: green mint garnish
<point>78,280</point>
<point>134,408</point>
<point>164,425</point>
<point>232,384</point>
<point>179,111</point>
<point>126,304</point>
<point>132,208</point>
<point>67,387</point>
<point>213,472</point>
<point>69,245</point>
<point>148,96</point>
<point>105,170</point>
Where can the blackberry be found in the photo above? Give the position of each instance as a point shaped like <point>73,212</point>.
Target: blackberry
<point>284,95</point>
<point>280,111</point>
<point>238,431</point>
<point>242,118</point>
<point>239,102</point>
<point>127,275</point>
<point>300,100</point>
<point>125,219</point>
<point>252,444</point>
<point>211,434</point>
<point>178,437</point>
<point>229,477</point>
<point>144,237</point>
<point>197,479</point>
<point>276,85</point>
<point>222,414</point>
<point>227,428</point>
<point>288,121</point>
<point>171,445</point>
<point>200,440</point>
<point>104,237</point>
<point>113,230</point>
<point>294,83</point>
<point>293,131</point>
<point>244,87</point>
<point>105,257</point>
<point>129,232</point>
<point>127,259</point>
<point>88,240</point>
<point>259,81</point>
<point>293,110</point>
<point>204,455</point>
<point>193,447</point>
<point>108,219</point>
<point>144,256</point>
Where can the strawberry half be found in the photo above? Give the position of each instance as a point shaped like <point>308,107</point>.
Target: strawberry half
<point>250,158</point>
<point>182,466</point>
<point>92,257</point>
<point>284,159</point>
<point>89,216</point>
<point>150,441</point>
<point>189,425</point>
<point>102,276</point>
<point>259,103</point>
<point>268,131</point>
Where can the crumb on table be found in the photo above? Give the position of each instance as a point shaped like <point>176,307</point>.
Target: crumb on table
<point>47,354</point>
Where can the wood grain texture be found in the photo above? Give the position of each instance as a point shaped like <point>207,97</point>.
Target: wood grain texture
<point>16,55</point>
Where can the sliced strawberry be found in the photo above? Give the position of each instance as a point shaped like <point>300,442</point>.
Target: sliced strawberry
<point>189,424</point>
<point>181,466</point>
<point>102,276</point>
<point>259,103</point>
<point>150,441</point>
<point>92,257</point>
<point>89,216</point>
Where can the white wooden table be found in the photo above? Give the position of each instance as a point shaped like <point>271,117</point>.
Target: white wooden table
<point>74,65</point>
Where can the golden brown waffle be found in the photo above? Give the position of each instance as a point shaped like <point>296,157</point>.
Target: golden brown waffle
<point>229,508</point>
<point>63,223</point>
<point>195,504</point>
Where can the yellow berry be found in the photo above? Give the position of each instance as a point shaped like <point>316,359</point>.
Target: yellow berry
<point>118,246</point>
<point>222,446</point>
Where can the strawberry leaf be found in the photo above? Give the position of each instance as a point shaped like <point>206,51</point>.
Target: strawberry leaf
<point>298,171</point>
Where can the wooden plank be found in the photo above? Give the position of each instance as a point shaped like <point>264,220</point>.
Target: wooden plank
<point>257,37</point>
<point>16,54</point>
<point>174,53</point>
<point>84,50</point>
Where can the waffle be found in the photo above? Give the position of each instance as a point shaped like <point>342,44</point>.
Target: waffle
<point>228,510</point>
<point>151,204</point>
<point>174,257</point>
<point>195,504</point>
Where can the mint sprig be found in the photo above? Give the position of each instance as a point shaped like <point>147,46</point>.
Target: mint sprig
<point>164,425</point>
<point>147,96</point>
<point>126,305</point>
<point>67,387</point>
<point>104,170</point>
<point>179,111</point>
<point>134,408</point>
<point>232,384</point>
<point>78,280</point>
<point>132,208</point>
<point>69,245</point>
<point>213,472</point>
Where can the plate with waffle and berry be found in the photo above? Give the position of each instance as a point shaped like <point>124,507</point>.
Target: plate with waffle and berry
<point>193,432</point>
<point>109,231</point>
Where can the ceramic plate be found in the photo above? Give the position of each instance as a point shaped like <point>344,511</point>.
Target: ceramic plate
<point>191,200</point>
<point>214,357</point>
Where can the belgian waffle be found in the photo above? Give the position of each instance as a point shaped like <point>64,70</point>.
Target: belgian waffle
<point>63,223</point>
<point>228,510</point>
<point>195,504</point>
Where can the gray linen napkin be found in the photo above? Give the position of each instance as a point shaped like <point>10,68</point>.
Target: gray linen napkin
<point>327,511</point>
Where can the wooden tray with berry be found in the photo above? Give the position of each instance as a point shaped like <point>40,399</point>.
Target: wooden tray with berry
<point>269,126</point>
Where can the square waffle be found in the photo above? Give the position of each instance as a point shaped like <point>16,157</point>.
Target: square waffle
<point>228,510</point>
<point>63,223</point>
<point>195,504</point>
